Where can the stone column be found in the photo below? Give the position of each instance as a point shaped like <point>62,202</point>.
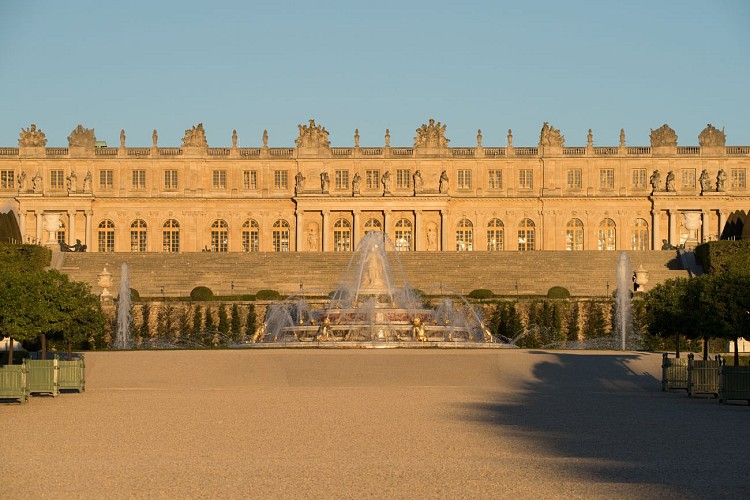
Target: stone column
<point>672,214</point>
<point>324,236</point>
<point>386,221</point>
<point>443,230</point>
<point>39,222</point>
<point>355,228</point>
<point>298,226</point>
<point>722,221</point>
<point>89,230</point>
<point>656,244</point>
<point>417,230</point>
<point>704,220</point>
<point>22,225</point>
<point>71,227</point>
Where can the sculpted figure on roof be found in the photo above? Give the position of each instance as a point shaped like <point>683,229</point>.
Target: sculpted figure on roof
<point>711,136</point>
<point>82,137</point>
<point>550,136</point>
<point>663,136</point>
<point>195,137</point>
<point>32,137</point>
<point>431,135</point>
<point>312,136</point>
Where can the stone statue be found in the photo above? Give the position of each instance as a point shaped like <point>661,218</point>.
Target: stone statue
<point>87,182</point>
<point>324,330</point>
<point>510,138</point>
<point>36,183</point>
<point>355,183</point>
<point>443,185</point>
<point>710,136</point>
<point>155,139</point>
<point>385,180</point>
<point>72,182</point>
<point>312,238</point>
<point>387,138</point>
<point>312,136</point>
<point>431,135</point>
<point>721,179</point>
<point>22,181</point>
<point>670,182</point>
<point>479,138</point>
<point>265,138</point>
<point>705,181</point>
<point>665,245</point>
<point>299,183</point>
<point>622,137</point>
<point>325,182</point>
<point>32,137</point>
<point>550,136</point>
<point>417,181</point>
<point>417,330</point>
<point>431,239</point>
<point>654,180</point>
<point>356,137</point>
<point>663,136</point>
<point>81,137</point>
<point>234,138</point>
<point>122,139</point>
<point>195,137</point>
<point>590,139</point>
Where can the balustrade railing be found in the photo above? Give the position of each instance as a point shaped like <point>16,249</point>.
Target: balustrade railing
<point>738,150</point>
<point>525,151</point>
<point>402,151</point>
<point>606,151</point>
<point>57,151</point>
<point>218,151</point>
<point>282,152</point>
<point>462,151</point>
<point>105,151</point>
<point>170,151</point>
<point>139,152</point>
<point>8,151</point>
<point>249,151</point>
<point>688,150</point>
<point>639,150</point>
<point>574,151</point>
<point>371,151</point>
<point>341,151</point>
<point>494,151</point>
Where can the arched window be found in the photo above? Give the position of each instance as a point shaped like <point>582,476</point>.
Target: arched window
<point>373,225</point>
<point>171,236</point>
<point>526,235</point>
<point>250,236</point>
<point>60,234</point>
<point>342,236</point>
<point>106,233</point>
<point>640,235</point>
<point>280,236</point>
<point>138,236</point>
<point>464,236</point>
<point>403,235</point>
<point>607,237</point>
<point>219,236</point>
<point>574,235</point>
<point>495,235</point>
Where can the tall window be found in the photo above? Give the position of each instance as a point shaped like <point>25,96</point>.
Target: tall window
<point>638,178</point>
<point>607,237</point>
<point>575,179</point>
<point>138,236</point>
<point>250,179</point>
<point>106,233</point>
<point>341,178</point>
<point>525,179</point>
<point>739,178</point>
<point>7,178</point>
<point>219,236</point>
<point>60,234</point>
<point>171,236</point>
<point>106,180</point>
<point>56,179</point>
<point>250,236</point>
<point>495,235</point>
<point>403,179</point>
<point>372,179</point>
<point>464,236</point>
<point>220,179</point>
<point>280,235</point>
<point>342,236</point>
<point>640,235</point>
<point>526,235</point>
<point>464,179</point>
<point>403,235</point>
<point>688,178</point>
<point>280,179</point>
<point>170,180</point>
<point>574,235</point>
<point>373,225</point>
<point>139,179</point>
<point>606,178</point>
<point>496,179</point>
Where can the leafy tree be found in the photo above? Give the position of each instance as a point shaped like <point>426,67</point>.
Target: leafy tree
<point>184,323</point>
<point>223,320</point>
<point>235,324</point>
<point>731,306</point>
<point>17,308</point>
<point>595,325</point>
<point>573,327</point>
<point>664,304</point>
<point>197,323</point>
<point>250,320</point>
<point>145,331</point>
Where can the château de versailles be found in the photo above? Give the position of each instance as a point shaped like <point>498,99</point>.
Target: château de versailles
<point>427,197</point>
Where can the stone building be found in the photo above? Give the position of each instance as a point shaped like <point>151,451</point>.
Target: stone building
<point>428,197</point>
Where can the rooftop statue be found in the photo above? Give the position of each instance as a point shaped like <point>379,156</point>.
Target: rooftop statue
<point>663,136</point>
<point>82,137</point>
<point>122,138</point>
<point>195,137</point>
<point>550,136</point>
<point>711,136</point>
<point>431,135</point>
<point>31,137</point>
<point>312,136</point>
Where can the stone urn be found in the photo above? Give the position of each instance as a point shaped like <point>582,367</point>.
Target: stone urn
<point>51,224</point>
<point>692,224</point>
<point>105,281</point>
<point>641,277</point>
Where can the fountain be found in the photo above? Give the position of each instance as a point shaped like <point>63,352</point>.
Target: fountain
<point>624,317</point>
<point>122,339</point>
<point>374,306</point>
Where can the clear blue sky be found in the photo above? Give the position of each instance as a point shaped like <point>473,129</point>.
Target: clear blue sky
<point>601,64</point>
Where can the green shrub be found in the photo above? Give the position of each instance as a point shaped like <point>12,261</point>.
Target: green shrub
<point>725,255</point>
<point>268,295</point>
<point>481,293</point>
<point>558,292</point>
<point>28,257</point>
<point>201,293</point>
<point>134,295</point>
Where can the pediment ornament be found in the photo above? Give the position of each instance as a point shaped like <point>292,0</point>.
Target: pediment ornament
<point>711,136</point>
<point>82,137</point>
<point>312,136</point>
<point>32,137</point>
<point>550,136</point>
<point>663,136</point>
<point>195,137</point>
<point>431,135</point>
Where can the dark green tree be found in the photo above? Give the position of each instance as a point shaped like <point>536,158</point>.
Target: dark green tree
<point>250,320</point>
<point>223,320</point>
<point>235,325</point>
<point>664,304</point>
<point>595,325</point>
<point>573,327</point>
<point>184,324</point>
<point>144,332</point>
<point>197,323</point>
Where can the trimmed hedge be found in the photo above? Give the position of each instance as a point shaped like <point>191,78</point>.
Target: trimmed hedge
<point>558,292</point>
<point>201,293</point>
<point>724,255</point>
<point>481,293</point>
<point>268,295</point>
<point>25,256</point>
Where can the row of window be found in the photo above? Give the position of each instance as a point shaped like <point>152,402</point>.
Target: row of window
<point>342,235</point>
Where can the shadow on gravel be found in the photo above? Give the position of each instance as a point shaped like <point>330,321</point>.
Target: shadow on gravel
<point>603,420</point>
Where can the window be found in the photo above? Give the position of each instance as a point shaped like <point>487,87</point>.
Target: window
<point>373,225</point>
<point>60,234</point>
<point>342,179</point>
<point>575,178</point>
<point>220,179</point>
<point>464,179</point>
<point>280,236</point>
<point>171,236</point>
<point>403,179</point>
<point>106,233</point>
<point>219,236</point>
<point>739,179</point>
<point>7,178</point>
<point>139,179</point>
<point>56,179</point>
<point>688,178</point>
<point>606,178</point>
<point>496,179</point>
<point>138,236</point>
<point>342,236</point>
<point>280,179</point>
<point>525,179</point>
<point>574,235</point>
<point>250,236</point>
<point>372,179</point>
<point>607,238</point>
<point>170,180</point>
<point>106,180</point>
<point>639,178</point>
<point>250,179</point>
<point>526,235</point>
<point>495,235</point>
<point>464,236</point>
<point>640,235</point>
<point>403,235</point>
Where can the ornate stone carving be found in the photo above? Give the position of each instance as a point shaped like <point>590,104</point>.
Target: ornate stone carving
<point>550,136</point>
<point>590,139</point>
<point>387,138</point>
<point>36,183</point>
<point>265,138</point>
<point>670,182</point>
<point>479,138</point>
<point>712,137</point>
<point>705,181</point>
<point>356,137</point>
<point>510,138</point>
<point>22,181</point>
<point>32,137</point>
<point>312,136</point>
<point>195,137</point>
<point>122,139</point>
<point>81,137</point>
<point>87,182</point>
<point>663,136</point>
<point>622,137</point>
<point>431,136</point>
<point>234,138</point>
<point>155,139</point>
<point>721,179</point>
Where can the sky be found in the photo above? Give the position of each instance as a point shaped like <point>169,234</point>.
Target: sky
<point>141,65</point>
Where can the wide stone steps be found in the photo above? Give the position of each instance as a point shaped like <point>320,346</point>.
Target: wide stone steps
<point>585,274</point>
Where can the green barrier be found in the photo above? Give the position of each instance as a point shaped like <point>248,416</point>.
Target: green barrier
<point>44,376</point>
<point>703,376</point>
<point>734,383</point>
<point>73,375</point>
<point>14,382</point>
<point>674,374</point>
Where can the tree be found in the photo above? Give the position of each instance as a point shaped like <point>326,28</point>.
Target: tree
<point>664,304</point>
<point>594,325</point>
<point>83,319</point>
<point>250,320</point>
<point>209,321</point>
<point>236,325</point>
<point>17,311</point>
<point>145,330</point>
<point>574,328</point>
<point>223,320</point>
<point>197,323</point>
<point>731,306</point>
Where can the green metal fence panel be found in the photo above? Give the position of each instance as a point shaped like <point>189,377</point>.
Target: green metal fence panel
<point>735,383</point>
<point>73,375</point>
<point>673,373</point>
<point>14,382</point>
<point>44,376</point>
<point>703,376</point>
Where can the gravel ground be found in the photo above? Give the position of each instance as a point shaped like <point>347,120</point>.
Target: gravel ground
<point>395,423</point>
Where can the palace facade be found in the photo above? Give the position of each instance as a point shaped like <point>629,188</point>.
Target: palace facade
<point>427,197</point>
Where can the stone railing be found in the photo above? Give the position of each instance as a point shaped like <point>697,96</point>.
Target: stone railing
<point>574,151</point>
<point>494,152</point>
<point>8,151</point>
<point>606,151</point>
<point>526,151</point>
<point>639,150</point>
<point>341,151</point>
<point>57,151</point>
<point>249,151</point>
<point>738,150</point>
<point>139,152</point>
<point>218,151</point>
<point>688,150</point>
<point>402,151</point>
<point>170,151</point>
<point>282,152</point>
<point>371,151</point>
<point>105,151</point>
<point>462,151</point>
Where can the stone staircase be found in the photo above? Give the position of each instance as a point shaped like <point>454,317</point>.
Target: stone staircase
<point>584,274</point>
